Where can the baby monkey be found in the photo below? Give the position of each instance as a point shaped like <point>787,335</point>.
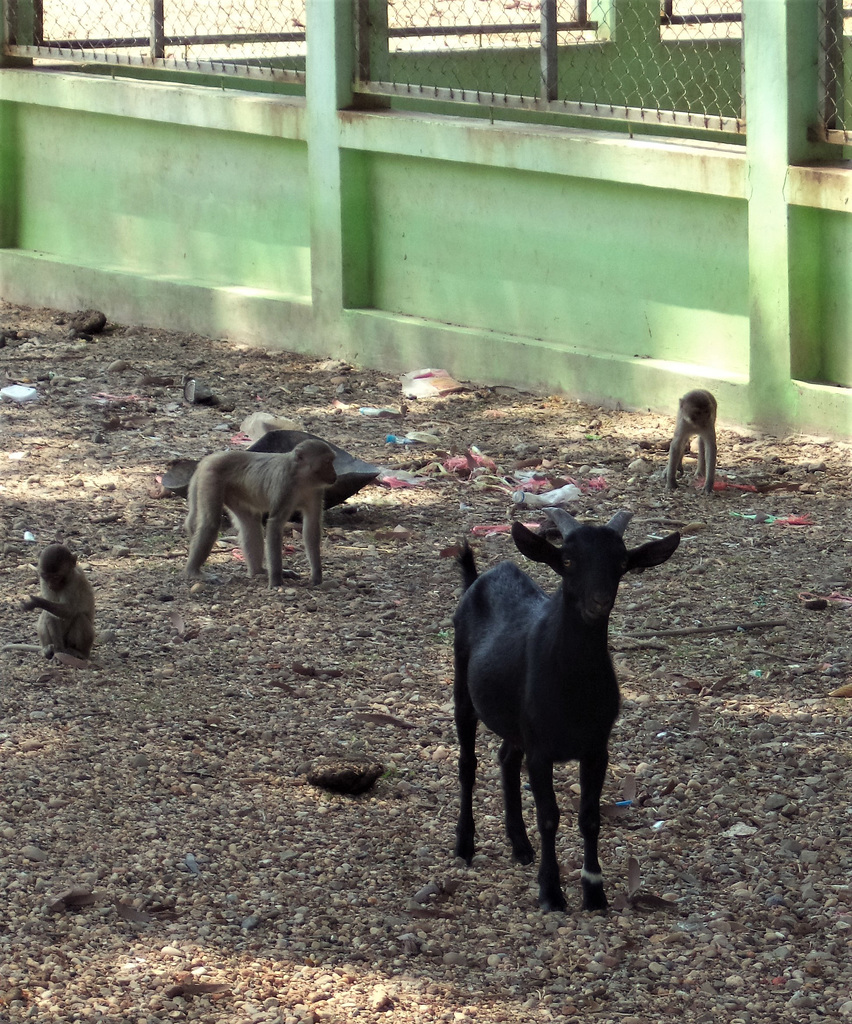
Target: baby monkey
<point>250,484</point>
<point>67,602</point>
<point>696,415</point>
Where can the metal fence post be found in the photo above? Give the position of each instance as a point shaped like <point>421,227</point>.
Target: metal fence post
<point>158,30</point>
<point>549,60</point>
<point>372,40</point>
<point>831,63</point>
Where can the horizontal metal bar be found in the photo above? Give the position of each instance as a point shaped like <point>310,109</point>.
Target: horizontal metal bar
<point>210,40</point>
<point>418,31</point>
<point>247,67</point>
<point>487,97</point>
<point>698,19</point>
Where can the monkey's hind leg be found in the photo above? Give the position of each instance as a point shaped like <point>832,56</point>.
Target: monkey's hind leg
<point>250,528</point>
<point>80,637</point>
<point>51,634</point>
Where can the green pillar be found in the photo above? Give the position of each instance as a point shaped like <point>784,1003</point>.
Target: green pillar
<point>781,42</point>
<point>338,179</point>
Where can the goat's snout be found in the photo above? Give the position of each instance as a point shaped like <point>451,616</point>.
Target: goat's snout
<point>597,606</point>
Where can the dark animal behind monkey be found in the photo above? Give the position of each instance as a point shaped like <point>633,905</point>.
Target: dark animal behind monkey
<point>251,484</point>
<point>696,415</point>
<point>67,602</point>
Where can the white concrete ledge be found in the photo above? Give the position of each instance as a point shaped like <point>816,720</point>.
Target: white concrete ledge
<point>194,106</point>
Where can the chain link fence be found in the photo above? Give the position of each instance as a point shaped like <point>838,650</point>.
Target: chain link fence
<point>675,62</point>
<point>248,37</point>
<point>835,71</point>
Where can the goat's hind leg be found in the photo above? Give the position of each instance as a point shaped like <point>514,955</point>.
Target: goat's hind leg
<point>592,772</point>
<point>550,895</point>
<point>466,722</point>
<point>511,759</point>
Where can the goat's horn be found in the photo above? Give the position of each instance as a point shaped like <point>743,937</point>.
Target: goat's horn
<point>619,521</point>
<point>562,520</point>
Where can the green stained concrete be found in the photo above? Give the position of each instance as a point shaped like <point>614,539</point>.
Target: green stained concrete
<point>617,268</point>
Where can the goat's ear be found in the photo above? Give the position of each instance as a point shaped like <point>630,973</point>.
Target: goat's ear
<point>655,552</point>
<point>536,547</point>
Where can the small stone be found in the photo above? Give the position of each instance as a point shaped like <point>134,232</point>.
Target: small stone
<point>33,853</point>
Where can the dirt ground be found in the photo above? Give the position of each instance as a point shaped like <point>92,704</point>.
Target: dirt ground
<point>163,854</point>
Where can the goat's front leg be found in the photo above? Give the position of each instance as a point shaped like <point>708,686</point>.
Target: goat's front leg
<point>550,895</point>
<point>466,722</point>
<point>592,772</point>
<point>511,759</point>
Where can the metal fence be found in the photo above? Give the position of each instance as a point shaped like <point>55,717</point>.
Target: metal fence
<point>676,62</point>
<point>835,71</point>
<point>246,37</point>
<point>668,62</point>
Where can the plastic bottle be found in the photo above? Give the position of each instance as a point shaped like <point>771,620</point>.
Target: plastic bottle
<point>559,496</point>
<point>393,439</point>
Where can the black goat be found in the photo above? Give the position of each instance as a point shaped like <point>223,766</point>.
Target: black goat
<point>536,670</point>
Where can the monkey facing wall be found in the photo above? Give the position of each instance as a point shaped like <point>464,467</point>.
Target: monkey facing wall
<point>67,602</point>
<point>696,415</point>
<point>250,485</point>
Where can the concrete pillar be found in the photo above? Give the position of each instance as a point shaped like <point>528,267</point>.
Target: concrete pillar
<point>780,48</point>
<point>339,213</point>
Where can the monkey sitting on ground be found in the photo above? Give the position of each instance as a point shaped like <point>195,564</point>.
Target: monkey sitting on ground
<point>250,484</point>
<point>696,415</point>
<point>67,621</point>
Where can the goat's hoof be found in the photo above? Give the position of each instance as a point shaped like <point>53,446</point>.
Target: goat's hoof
<point>465,851</point>
<point>552,905</point>
<point>595,902</point>
<point>523,856</point>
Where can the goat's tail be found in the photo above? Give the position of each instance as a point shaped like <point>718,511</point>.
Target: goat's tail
<point>467,564</point>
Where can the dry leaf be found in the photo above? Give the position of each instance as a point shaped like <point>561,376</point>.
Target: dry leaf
<point>842,691</point>
<point>195,988</point>
<point>382,719</point>
<point>633,876</point>
<point>69,660</point>
<point>129,913</point>
<point>72,899</point>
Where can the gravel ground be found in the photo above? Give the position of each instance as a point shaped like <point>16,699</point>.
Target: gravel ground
<point>163,855</point>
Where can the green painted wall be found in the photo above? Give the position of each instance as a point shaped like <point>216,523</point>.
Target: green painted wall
<point>159,199</point>
<point>571,261</point>
<point>617,268</point>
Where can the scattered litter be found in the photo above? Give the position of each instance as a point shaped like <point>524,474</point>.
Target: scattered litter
<point>739,829</point>
<point>197,393</point>
<point>399,478</point>
<point>724,485</point>
<point>429,383</point>
<point>191,864</point>
<point>19,393</point>
<point>559,496</point>
<point>259,423</point>
<point>483,530</point>
<point>384,412</point>
<point>393,439</point>
<point>422,437</point>
<point>464,465</point>
<point>790,520</point>
<point>29,537</point>
<point>105,398</point>
<point>811,600</point>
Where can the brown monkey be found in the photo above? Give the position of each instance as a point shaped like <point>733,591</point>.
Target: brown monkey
<point>696,415</point>
<point>250,484</point>
<point>67,621</point>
